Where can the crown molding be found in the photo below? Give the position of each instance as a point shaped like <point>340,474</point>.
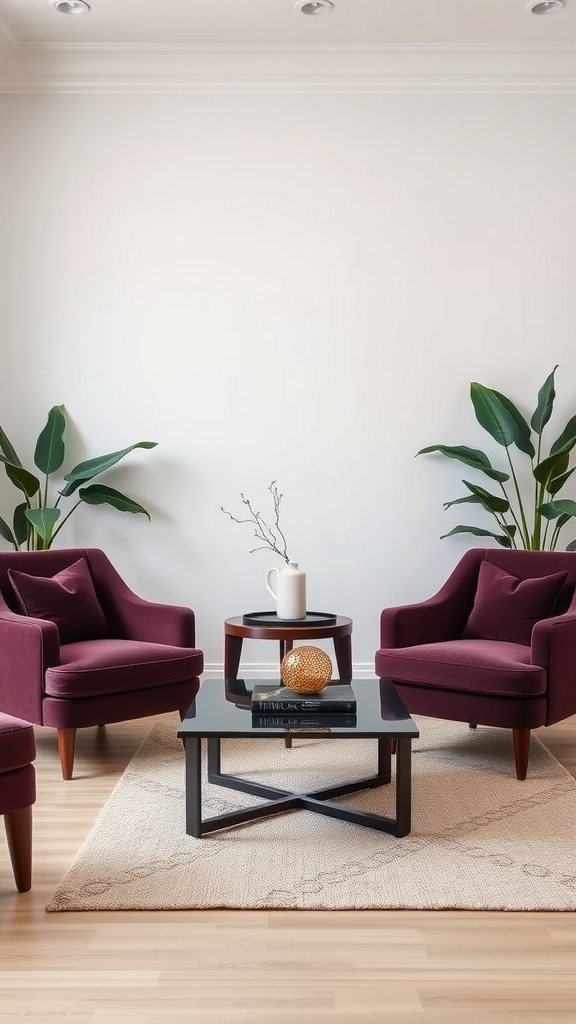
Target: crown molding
<point>173,68</point>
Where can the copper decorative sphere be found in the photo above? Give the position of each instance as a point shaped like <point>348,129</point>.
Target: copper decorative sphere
<point>306,670</point>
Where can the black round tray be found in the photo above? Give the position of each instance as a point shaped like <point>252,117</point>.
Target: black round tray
<point>271,619</point>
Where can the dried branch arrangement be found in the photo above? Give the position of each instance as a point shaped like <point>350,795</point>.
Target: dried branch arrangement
<point>272,537</point>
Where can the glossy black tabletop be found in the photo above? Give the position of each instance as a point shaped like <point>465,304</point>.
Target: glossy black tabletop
<point>222,708</point>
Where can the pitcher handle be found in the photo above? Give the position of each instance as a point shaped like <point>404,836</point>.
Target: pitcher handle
<point>272,574</point>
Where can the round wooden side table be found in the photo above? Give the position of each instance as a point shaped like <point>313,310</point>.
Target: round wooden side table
<point>236,631</point>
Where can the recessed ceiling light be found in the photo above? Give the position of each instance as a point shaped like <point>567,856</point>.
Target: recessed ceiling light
<point>70,6</point>
<point>545,6</point>
<point>314,6</point>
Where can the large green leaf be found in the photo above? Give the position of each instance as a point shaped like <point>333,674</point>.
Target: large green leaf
<point>523,438</point>
<point>505,542</point>
<point>6,533</point>
<point>21,478</point>
<point>50,448</point>
<point>468,499</point>
<point>20,523</point>
<point>554,509</point>
<point>43,520</point>
<point>7,450</point>
<point>551,467</point>
<point>472,457</point>
<point>491,502</point>
<point>496,416</point>
<point>93,467</point>
<point>99,494</point>
<point>558,482</point>
<point>543,410</point>
<point>567,439</point>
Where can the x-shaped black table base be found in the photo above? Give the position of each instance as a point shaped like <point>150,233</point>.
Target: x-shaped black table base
<point>280,800</point>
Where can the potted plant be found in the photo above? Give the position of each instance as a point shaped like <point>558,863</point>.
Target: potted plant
<point>38,519</point>
<point>534,520</point>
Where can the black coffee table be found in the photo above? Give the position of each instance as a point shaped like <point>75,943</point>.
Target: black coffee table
<point>221,710</point>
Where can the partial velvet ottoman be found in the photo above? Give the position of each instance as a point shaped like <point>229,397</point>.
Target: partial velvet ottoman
<point>17,794</point>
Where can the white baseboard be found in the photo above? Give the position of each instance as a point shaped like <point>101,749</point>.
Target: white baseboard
<point>269,670</point>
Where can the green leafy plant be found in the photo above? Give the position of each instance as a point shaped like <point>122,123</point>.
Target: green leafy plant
<point>531,521</point>
<point>38,519</point>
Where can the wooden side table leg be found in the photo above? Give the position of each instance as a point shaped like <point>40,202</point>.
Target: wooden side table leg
<point>343,652</point>
<point>285,647</point>
<point>232,655</point>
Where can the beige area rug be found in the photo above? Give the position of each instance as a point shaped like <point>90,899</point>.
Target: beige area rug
<point>480,839</point>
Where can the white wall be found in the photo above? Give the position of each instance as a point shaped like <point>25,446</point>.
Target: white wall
<point>286,287</point>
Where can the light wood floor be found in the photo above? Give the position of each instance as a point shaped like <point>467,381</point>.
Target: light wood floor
<point>248,967</point>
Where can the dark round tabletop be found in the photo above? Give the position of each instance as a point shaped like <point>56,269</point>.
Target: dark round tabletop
<point>284,629</point>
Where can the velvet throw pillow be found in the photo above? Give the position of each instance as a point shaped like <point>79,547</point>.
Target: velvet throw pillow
<point>68,599</point>
<point>506,608</point>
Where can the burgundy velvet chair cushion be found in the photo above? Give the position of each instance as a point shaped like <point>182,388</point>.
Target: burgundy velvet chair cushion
<point>17,776</point>
<point>68,599</point>
<point>506,608</point>
<point>17,789</point>
<point>97,667</point>
<point>17,744</point>
<point>471,666</point>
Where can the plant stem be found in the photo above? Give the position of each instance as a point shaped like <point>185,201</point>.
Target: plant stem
<point>502,524</point>
<point>554,538</point>
<point>57,530</point>
<point>538,495</point>
<point>512,512</point>
<point>524,530</point>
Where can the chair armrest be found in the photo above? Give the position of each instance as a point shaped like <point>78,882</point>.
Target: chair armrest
<point>408,625</point>
<point>27,648</point>
<point>134,618</point>
<point>441,617</point>
<point>554,649</point>
<point>138,619</point>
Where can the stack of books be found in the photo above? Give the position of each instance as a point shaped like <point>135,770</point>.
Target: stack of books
<point>277,707</point>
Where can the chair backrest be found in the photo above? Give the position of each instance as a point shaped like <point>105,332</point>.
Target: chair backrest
<point>532,564</point>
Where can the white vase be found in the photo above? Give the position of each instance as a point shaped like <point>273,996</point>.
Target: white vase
<point>288,588</point>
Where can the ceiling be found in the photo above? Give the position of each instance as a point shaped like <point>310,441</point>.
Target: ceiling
<point>362,45</point>
<point>352,22</point>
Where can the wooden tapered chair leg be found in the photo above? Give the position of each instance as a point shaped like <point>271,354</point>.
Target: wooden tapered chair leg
<point>18,826</point>
<point>288,741</point>
<point>66,744</point>
<point>521,740</point>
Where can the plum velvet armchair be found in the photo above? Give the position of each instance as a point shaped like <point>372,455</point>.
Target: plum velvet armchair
<point>79,648</point>
<point>495,646</point>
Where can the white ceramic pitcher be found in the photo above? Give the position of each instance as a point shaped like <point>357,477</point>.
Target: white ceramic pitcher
<point>288,588</point>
